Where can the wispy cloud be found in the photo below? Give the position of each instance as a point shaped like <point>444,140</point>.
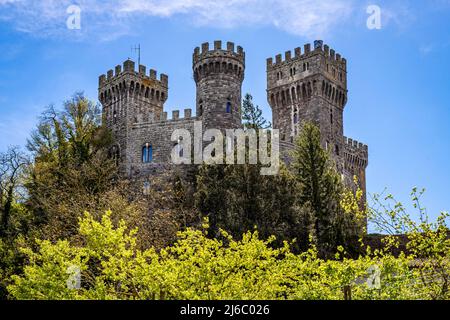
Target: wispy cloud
<point>426,49</point>
<point>301,17</point>
<point>112,18</point>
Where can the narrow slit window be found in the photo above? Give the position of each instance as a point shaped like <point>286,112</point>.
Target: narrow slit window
<point>228,109</point>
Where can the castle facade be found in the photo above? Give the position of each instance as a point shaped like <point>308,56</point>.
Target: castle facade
<point>307,86</point>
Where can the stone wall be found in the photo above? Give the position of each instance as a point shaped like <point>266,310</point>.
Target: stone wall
<point>158,135</point>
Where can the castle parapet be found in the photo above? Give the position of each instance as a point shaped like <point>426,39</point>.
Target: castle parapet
<point>125,79</point>
<point>164,119</point>
<point>176,115</point>
<point>318,48</point>
<point>356,153</point>
<point>217,50</point>
<point>129,69</point>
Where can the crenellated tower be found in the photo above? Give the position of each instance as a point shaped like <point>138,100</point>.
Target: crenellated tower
<point>218,74</point>
<point>129,96</point>
<point>309,86</point>
<point>312,86</point>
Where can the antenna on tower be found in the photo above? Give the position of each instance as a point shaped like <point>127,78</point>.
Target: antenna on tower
<point>137,48</point>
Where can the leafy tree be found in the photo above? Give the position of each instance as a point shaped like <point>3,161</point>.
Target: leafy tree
<point>72,171</point>
<point>111,266</point>
<point>427,242</point>
<point>71,136</point>
<point>12,168</point>
<point>71,167</point>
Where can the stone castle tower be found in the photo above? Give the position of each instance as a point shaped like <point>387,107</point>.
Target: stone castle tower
<point>219,74</point>
<point>312,86</point>
<point>129,97</point>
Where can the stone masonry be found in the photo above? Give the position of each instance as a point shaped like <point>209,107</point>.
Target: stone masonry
<point>312,86</point>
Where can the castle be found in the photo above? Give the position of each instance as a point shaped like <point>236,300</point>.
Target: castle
<point>308,86</point>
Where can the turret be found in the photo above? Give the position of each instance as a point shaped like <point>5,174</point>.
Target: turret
<point>309,86</point>
<point>218,74</point>
<point>129,96</point>
<point>144,94</point>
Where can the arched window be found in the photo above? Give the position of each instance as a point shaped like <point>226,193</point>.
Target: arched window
<point>147,153</point>
<point>228,107</point>
<point>295,118</point>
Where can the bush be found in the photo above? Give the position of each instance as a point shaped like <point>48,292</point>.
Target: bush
<point>196,267</point>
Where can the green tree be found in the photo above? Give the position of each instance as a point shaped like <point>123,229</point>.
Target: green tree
<point>319,188</point>
<point>111,266</point>
<point>238,198</point>
<point>427,242</point>
<point>13,164</point>
<point>71,166</point>
<point>252,115</point>
<point>72,171</point>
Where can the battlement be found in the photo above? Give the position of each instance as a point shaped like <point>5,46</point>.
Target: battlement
<point>164,119</point>
<point>318,48</point>
<point>355,153</point>
<point>128,68</point>
<point>355,144</point>
<point>218,51</point>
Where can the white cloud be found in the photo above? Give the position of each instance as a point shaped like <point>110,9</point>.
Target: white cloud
<point>308,18</point>
<point>298,17</point>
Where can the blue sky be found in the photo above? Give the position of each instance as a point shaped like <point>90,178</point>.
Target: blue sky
<point>398,75</point>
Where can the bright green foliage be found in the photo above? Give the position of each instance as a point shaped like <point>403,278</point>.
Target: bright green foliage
<point>428,244</point>
<point>197,267</point>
